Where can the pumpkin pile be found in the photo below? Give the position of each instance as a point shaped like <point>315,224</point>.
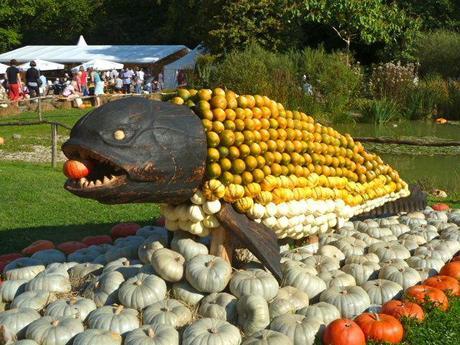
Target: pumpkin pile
<point>353,285</point>
<point>279,167</point>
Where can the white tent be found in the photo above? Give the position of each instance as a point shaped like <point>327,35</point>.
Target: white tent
<point>100,65</point>
<point>76,54</point>
<point>186,62</point>
<point>42,65</point>
<point>3,68</point>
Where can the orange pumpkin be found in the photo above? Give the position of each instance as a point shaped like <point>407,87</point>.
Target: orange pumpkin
<point>37,246</point>
<point>343,331</point>
<point>96,240</point>
<point>424,293</point>
<point>456,258</point>
<point>10,256</point>
<point>440,207</point>
<point>124,229</point>
<point>76,169</point>
<point>445,283</point>
<point>381,327</point>
<point>452,269</point>
<point>71,246</point>
<point>399,309</point>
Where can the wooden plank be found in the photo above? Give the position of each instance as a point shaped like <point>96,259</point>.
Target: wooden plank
<point>221,244</point>
<point>259,239</point>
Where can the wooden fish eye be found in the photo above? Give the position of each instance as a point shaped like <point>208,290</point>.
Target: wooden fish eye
<point>119,134</point>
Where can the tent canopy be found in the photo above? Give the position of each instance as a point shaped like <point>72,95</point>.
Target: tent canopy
<point>3,68</point>
<point>43,65</point>
<point>100,65</point>
<point>132,54</point>
<point>186,62</point>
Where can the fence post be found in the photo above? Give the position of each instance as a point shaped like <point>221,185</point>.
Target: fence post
<point>53,144</point>
<point>39,107</point>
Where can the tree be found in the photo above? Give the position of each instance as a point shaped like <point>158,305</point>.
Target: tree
<point>231,25</point>
<point>363,21</point>
<point>434,14</point>
<point>12,13</point>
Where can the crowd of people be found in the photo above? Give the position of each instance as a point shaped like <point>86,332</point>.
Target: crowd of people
<point>18,85</point>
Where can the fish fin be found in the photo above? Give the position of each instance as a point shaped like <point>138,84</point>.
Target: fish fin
<point>256,237</point>
<point>416,201</point>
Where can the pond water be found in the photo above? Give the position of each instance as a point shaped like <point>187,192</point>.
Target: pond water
<point>434,167</point>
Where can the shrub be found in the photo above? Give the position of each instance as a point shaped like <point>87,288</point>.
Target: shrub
<point>439,53</point>
<point>255,70</point>
<point>379,111</point>
<point>391,80</point>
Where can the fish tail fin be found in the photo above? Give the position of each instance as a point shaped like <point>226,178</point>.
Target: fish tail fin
<point>416,201</point>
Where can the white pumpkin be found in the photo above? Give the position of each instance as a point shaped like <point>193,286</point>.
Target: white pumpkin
<point>322,262</point>
<point>211,331</point>
<point>350,246</point>
<point>404,276</point>
<point>381,291</point>
<point>337,278</point>
<point>349,300</point>
<point>362,272</point>
<point>322,311</point>
<point>389,250</point>
<point>208,273</point>
<point>332,252</point>
<point>302,279</point>
<point>254,282</point>
<point>253,313</point>
<point>300,329</point>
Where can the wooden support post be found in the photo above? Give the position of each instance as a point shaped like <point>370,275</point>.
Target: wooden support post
<point>54,134</point>
<point>221,244</point>
<point>40,107</point>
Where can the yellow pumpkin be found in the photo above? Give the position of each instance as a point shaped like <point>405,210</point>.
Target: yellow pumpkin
<point>213,190</point>
<point>264,198</point>
<point>252,189</point>
<point>243,205</point>
<point>233,192</point>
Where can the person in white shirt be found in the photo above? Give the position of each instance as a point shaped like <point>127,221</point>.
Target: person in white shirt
<point>114,74</point>
<point>139,80</point>
<point>118,84</point>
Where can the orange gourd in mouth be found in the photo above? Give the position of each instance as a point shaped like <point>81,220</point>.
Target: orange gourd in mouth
<point>77,169</point>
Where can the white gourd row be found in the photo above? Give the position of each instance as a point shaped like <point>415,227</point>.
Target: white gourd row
<point>293,219</point>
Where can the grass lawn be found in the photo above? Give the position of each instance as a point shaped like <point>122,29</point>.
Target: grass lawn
<point>438,328</point>
<point>36,134</point>
<point>34,205</point>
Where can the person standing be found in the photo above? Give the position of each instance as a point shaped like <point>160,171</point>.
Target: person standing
<point>99,86</point>
<point>14,81</point>
<point>33,80</point>
<point>43,85</point>
<point>127,76</point>
<point>139,80</point>
<point>84,81</point>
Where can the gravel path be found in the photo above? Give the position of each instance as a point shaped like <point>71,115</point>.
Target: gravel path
<point>40,154</point>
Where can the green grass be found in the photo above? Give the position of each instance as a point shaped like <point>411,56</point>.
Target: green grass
<point>34,205</point>
<point>438,328</point>
<point>36,134</point>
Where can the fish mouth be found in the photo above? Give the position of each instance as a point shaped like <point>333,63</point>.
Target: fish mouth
<point>105,175</point>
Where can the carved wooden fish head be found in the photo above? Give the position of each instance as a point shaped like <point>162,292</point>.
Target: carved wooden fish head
<point>140,151</point>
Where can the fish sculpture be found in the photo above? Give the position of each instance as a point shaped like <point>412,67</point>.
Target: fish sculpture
<point>239,168</point>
